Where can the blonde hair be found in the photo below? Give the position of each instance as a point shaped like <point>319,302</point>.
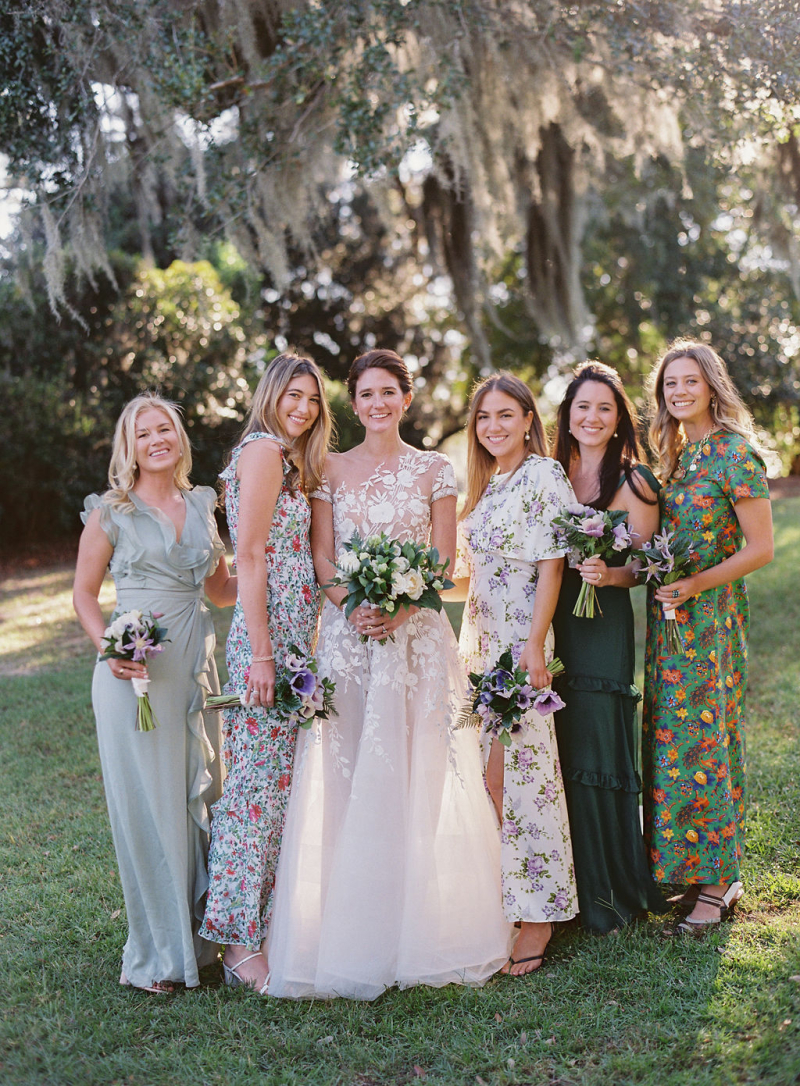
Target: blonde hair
<point>123,471</point>
<point>306,453</point>
<point>481,465</point>
<point>728,411</point>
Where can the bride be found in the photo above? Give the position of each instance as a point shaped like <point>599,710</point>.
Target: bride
<point>390,867</point>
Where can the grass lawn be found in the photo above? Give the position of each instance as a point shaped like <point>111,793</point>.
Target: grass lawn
<point>636,1007</point>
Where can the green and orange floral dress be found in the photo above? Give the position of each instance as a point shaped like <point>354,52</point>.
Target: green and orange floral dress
<point>693,752</point>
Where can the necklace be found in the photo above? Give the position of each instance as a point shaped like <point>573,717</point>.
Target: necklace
<point>681,472</point>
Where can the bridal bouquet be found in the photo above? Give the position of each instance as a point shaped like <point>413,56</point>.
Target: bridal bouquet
<point>390,575</point>
<point>503,694</point>
<point>591,533</point>
<point>300,694</point>
<point>666,559</point>
<point>135,636</point>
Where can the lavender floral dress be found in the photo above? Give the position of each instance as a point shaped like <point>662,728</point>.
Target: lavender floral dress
<point>258,748</point>
<point>500,542</point>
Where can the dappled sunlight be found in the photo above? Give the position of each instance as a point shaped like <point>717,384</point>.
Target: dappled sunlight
<point>38,626</point>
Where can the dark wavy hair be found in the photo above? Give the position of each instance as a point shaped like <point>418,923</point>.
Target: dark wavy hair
<point>379,359</point>
<point>622,452</point>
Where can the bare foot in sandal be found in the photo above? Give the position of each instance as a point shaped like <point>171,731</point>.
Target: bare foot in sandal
<point>529,949</point>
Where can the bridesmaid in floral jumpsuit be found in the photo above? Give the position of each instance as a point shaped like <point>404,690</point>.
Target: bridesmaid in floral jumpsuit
<point>277,462</point>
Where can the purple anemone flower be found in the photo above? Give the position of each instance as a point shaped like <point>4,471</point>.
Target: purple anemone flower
<point>548,702</point>
<point>303,682</point>
<point>622,537</point>
<point>593,526</point>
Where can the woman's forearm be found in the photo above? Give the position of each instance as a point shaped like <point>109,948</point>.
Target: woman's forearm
<point>551,572</point>
<point>87,608</point>
<point>252,580</point>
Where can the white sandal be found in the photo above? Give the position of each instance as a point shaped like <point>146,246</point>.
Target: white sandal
<point>233,979</point>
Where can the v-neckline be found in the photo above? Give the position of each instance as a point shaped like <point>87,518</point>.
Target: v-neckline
<point>159,514</point>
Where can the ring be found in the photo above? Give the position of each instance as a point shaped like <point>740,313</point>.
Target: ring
<point>675,593</point>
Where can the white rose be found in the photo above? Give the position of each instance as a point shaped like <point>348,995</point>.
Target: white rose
<point>399,584</point>
<point>348,562</point>
<point>415,584</point>
<point>401,564</point>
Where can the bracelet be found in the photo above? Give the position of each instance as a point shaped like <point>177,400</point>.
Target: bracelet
<point>262,660</point>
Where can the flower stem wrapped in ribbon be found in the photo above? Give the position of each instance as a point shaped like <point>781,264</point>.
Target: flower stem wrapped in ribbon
<point>301,695</point>
<point>667,558</point>
<point>389,575</point>
<point>590,533</point>
<point>503,695</point>
<point>136,635</point>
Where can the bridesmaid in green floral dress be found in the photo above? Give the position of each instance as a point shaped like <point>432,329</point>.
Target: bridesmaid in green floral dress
<point>715,494</point>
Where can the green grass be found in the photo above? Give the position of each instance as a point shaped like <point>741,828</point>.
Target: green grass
<point>633,1008</point>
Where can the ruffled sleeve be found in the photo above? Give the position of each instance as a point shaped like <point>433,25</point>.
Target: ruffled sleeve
<point>228,474</point>
<point>208,500</point>
<point>444,485</point>
<point>323,492</point>
<point>745,474</point>
<point>107,521</point>
<point>541,494</point>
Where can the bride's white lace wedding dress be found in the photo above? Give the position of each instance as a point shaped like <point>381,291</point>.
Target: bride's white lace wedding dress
<point>390,866</point>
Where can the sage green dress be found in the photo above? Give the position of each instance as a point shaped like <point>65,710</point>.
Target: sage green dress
<point>160,785</point>
<point>598,744</point>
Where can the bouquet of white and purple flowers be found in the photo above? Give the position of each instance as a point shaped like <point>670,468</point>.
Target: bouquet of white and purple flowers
<point>135,636</point>
<point>591,533</point>
<point>503,695</point>
<point>300,694</point>
<point>389,575</point>
<point>666,559</point>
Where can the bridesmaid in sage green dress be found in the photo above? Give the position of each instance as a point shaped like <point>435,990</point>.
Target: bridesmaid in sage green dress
<point>597,730</point>
<point>158,536</point>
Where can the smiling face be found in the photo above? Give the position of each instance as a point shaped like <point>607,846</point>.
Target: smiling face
<point>299,406</point>
<point>593,415</point>
<point>500,426</point>
<point>687,394</point>
<point>379,401</point>
<point>158,447</point>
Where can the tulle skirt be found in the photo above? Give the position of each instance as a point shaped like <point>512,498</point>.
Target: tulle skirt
<point>390,866</point>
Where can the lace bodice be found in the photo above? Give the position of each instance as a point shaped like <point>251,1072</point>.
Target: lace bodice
<point>393,498</point>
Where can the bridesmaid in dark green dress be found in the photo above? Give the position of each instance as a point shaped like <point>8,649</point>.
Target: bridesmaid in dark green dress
<point>597,734</point>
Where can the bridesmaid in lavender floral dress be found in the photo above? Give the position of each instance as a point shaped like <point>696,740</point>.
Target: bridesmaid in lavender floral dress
<point>277,462</point>
<point>510,560</point>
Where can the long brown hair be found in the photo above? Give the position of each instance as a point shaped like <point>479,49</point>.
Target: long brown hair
<point>306,453</point>
<point>728,411</point>
<point>622,452</point>
<point>481,465</point>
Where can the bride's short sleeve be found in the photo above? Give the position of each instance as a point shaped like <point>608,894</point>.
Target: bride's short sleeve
<point>542,493</point>
<point>444,485</point>
<point>323,492</point>
<point>107,521</point>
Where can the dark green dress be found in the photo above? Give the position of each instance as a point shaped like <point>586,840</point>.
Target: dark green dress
<point>599,751</point>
